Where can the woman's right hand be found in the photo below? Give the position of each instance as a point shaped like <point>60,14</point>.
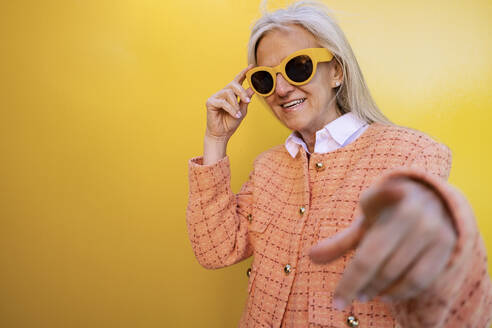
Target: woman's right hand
<point>224,113</point>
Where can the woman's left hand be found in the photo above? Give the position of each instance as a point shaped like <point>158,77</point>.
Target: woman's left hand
<point>404,240</point>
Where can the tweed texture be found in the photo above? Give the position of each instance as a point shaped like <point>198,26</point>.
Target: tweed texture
<point>264,220</point>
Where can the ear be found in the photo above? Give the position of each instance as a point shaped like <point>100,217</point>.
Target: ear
<point>337,72</point>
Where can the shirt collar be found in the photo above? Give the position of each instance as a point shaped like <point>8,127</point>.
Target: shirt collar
<point>340,130</point>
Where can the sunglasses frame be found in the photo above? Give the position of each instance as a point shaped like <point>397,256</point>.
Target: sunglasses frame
<point>317,55</point>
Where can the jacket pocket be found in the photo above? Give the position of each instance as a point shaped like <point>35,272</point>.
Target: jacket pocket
<point>369,314</point>
<point>259,220</point>
<point>321,312</point>
<point>374,314</point>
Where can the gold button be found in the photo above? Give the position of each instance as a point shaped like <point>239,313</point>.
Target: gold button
<point>287,269</point>
<point>248,272</point>
<point>302,210</point>
<point>250,217</point>
<point>352,321</point>
<point>319,166</point>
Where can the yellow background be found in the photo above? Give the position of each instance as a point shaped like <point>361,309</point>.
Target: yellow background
<point>102,105</point>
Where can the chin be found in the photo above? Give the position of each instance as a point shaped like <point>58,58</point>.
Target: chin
<point>294,122</point>
<point>295,126</point>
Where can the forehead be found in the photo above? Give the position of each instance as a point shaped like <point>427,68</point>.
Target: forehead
<point>277,44</point>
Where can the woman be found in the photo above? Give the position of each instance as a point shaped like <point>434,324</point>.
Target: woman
<point>351,221</point>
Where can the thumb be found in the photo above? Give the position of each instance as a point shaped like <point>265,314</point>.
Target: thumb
<point>332,248</point>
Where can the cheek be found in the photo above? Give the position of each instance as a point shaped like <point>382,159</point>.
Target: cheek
<point>269,101</point>
<point>312,93</point>
<point>321,84</point>
<point>320,88</point>
<point>271,107</point>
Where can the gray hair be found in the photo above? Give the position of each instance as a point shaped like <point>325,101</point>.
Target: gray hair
<point>353,94</point>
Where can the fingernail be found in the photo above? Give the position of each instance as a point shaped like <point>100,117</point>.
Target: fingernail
<point>339,304</point>
<point>238,114</point>
<point>248,99</point>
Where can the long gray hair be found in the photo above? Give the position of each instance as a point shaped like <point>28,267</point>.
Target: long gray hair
<point>353,94</point>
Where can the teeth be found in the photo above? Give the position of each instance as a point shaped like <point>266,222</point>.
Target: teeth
<point>293,103</point>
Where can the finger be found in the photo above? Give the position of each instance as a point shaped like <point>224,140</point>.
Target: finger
<point>330,249</point>
<point>243,107</point>
<point>398,263</point>
<point>421,275</point>
<point>377,197</point>
<point>424,215</point>
<point>230,96</point>
<point>429,225</point>
<point>220,103</point>
<point>250,92</point>
<point>239,91</point>
<point>242,75</point>
<point>376,247</point>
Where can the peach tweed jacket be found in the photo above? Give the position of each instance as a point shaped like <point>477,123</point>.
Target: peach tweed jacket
<point>289,204</point>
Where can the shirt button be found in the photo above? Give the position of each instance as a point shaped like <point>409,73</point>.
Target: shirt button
<point>287,269</point>
<point>352,321</point>
<point>250,217</point>
<point>248,272</point>
<point>319,166</point>
<point>302,210</point>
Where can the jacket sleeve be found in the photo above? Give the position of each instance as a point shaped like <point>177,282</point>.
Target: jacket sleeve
<point>462,295</point>
<point>217,219</point>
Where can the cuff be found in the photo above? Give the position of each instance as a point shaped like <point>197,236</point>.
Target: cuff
<point>203,177</point>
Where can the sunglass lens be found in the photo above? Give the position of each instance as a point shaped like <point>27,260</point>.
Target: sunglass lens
<point>262,81</point>
<point>299,68</point>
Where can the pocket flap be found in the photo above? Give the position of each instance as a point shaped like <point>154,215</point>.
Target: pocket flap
<point>259,220</point>
<point>369,314</point>
<point>321,311</point>
<point>374,314</point>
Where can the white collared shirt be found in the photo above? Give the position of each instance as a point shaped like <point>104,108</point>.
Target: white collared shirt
<point>336,134</point>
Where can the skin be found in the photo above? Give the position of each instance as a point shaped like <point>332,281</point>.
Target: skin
<point>403,241</point>
<point>404,237</point>
<point>320,107</point>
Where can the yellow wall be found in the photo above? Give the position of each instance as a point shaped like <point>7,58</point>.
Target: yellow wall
<point>102,104</point>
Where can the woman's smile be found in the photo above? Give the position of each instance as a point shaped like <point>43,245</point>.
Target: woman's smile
<point>293,105</point>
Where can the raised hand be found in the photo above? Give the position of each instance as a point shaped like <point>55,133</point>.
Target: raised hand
<point>404,240</point>
<point>224,112</point>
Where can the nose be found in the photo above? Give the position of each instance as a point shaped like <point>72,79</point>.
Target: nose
<point>283,87</point>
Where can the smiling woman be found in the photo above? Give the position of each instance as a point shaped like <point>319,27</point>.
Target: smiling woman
<point>303,108</point>
<point>351,221</point>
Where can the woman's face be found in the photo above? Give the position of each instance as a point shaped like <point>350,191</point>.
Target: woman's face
<point>316,111</point>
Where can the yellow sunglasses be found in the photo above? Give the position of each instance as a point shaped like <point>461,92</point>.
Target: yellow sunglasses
<point>298,69</point>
